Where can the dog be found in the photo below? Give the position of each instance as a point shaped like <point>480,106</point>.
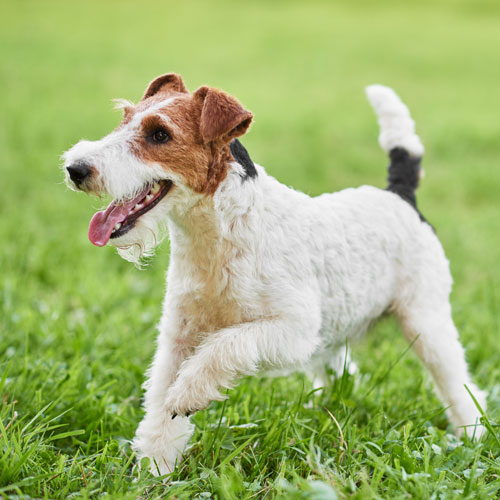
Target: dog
<point>262,276</point>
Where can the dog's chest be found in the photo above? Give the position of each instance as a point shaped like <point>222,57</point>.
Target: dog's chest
<point>212,291</point>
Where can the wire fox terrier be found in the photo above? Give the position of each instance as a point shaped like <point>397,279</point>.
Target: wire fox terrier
<point>262,276</point>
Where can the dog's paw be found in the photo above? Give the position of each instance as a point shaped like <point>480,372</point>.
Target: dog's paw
<point>185,398</point>
<point>188,414</point>
<point>161,441</point>
<point>184,403</point>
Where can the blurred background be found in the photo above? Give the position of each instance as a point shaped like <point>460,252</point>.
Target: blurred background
<point>301,67</point>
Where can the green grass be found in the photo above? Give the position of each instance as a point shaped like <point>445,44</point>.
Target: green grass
<point>77,324</point>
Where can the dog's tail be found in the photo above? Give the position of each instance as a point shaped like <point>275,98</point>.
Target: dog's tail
<point>398,138</point>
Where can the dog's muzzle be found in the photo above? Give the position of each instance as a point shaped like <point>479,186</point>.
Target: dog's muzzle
<point>79,172</point>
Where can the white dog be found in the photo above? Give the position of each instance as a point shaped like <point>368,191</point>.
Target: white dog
<point>262,276</point>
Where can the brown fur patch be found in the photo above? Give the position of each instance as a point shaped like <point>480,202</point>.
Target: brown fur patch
<point>203,124</point>
<point>222,116</point>
<point>170,82</point>
<point>184,154</point>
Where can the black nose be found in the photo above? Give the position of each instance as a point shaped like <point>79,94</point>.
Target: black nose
<point>78,172</point>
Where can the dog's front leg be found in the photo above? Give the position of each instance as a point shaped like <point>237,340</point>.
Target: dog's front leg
<point>158,437</point>
<point>228,353</point>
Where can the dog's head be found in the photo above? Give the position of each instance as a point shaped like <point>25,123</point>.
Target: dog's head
<point>170,150</point>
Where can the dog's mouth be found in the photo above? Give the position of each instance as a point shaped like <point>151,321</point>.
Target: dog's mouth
<point>119,218</point>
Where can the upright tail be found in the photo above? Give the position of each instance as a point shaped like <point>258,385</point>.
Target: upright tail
<point>398,138</point>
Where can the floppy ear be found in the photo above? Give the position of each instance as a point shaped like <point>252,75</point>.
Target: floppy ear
<point>169,82</point>
<point>222,116</point>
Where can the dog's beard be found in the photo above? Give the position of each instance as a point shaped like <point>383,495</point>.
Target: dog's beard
<point>139,243</point>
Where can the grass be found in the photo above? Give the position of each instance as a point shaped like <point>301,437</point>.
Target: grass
<point>77,324</point>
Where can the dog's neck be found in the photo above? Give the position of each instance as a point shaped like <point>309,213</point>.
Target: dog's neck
<point>213,217</point>
<point>194,225</point>
<point>218,222</point>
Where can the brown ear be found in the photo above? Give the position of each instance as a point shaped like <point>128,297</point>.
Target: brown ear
<point>170,82</point>
<point>222,116</point>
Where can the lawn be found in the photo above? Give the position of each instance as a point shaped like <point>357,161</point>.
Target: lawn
<point>77,323</point>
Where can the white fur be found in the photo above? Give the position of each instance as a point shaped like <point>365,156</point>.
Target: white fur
<point>265,277</point>
<point>396,125</point>
<point>121,172</point>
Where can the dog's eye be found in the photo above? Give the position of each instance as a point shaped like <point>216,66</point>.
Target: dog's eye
<point>160,136</point>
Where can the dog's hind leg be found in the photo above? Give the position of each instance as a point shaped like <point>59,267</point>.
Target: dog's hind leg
<point>339,362</point>
<point>423,302</point>
<point>427,322</point>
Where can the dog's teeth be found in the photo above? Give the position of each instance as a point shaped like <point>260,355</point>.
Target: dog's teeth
<point>149,197</point>
<point>155,188</point>
<point>118,226</point>
<point>138,207</point>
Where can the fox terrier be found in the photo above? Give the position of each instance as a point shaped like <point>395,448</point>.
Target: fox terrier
<point>262,276</point>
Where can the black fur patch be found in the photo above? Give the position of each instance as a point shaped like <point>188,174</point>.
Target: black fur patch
<point>404,174</point>
<point>240,155</point>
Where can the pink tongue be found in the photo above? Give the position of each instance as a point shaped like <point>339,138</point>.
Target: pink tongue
<point>102,224</point>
